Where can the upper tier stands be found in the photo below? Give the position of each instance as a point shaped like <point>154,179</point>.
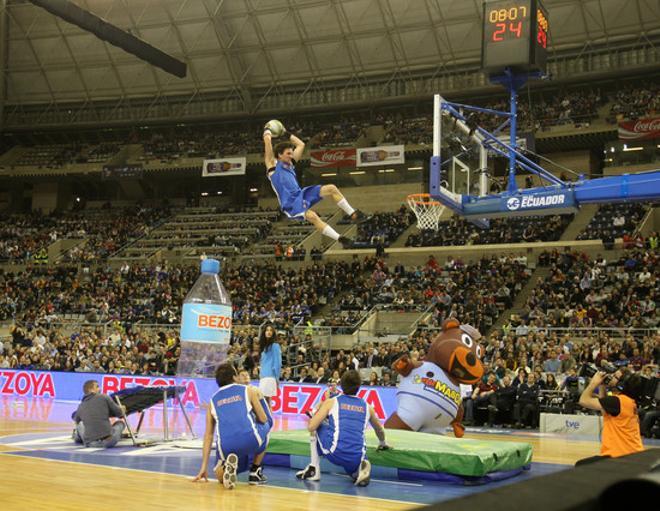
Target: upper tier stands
<point>54,155</point>
<point>542,110</point>
<point>104,232</point>
<point>196,231</point>
<point>458,231</point>
<point>382,228</point>
<point>614,221</point>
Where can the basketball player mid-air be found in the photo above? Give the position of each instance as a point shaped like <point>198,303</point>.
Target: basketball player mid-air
<point>294,201</point>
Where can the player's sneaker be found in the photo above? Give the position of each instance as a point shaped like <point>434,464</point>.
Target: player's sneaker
<point>364,474</point>
<point>230,467</point>
<point>257,476</point>
<point>309,473</point>
<point>358,217</point>
<point>345,242</point>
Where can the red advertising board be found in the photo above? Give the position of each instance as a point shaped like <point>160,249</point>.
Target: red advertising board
<point>334,158</point>
<point>641,129</point>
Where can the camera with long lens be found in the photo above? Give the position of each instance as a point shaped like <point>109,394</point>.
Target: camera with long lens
<point>589,370</point>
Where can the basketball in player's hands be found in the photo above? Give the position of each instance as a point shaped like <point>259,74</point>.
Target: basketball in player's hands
<point>275,127</point>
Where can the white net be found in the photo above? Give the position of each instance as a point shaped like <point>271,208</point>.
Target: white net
<point>427,211</point>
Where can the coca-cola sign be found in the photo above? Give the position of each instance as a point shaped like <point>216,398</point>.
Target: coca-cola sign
<point>334,158</point>
<point>641,129</point>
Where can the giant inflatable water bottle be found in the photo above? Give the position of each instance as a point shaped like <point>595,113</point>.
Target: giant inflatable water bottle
<point>205,324</point>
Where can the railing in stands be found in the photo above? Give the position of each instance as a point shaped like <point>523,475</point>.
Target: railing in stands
<point>576,332</point>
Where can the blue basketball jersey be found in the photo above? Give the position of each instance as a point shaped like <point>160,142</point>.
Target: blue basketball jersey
<point>237,430</point>
<point>284,182</point>
<point>343,435</point>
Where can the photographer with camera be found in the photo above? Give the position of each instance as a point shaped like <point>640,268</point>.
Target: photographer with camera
<point>620,435</point>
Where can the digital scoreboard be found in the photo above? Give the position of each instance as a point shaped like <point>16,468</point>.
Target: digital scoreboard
<point>515,35</point>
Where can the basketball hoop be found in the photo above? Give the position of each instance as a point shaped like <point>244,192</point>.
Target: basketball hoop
<point>427,210</point>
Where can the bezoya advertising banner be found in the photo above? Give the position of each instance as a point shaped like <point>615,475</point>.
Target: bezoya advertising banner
<point>381,155</point>
<point>222,167</point>
<point>291,398</point>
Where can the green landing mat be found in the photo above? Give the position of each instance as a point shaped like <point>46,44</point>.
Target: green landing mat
<point>424,452</point>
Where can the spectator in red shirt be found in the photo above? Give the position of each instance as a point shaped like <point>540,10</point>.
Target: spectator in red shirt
<point>482,394</point>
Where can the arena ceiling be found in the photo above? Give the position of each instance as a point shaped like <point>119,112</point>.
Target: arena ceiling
<point>243,44</point>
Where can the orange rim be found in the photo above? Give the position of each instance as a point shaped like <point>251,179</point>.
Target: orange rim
<point>422,199</point>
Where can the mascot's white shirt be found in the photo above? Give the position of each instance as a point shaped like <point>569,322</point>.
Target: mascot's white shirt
<point>427,399</point>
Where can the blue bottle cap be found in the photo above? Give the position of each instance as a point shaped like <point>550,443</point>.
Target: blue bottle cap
<point>210,266</point>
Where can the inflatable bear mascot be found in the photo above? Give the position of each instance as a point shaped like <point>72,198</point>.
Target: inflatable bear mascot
<point>428,394</point>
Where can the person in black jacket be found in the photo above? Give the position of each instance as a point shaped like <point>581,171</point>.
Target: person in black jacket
<point>526,410</point>
<point>503,400</point>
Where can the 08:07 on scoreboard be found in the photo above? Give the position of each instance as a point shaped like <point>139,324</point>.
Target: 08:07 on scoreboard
<point>511,21</point>
<point>515,30</point>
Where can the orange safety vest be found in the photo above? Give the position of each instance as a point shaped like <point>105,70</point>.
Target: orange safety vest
<point>621,434</point>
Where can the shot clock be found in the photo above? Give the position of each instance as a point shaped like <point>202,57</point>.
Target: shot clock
<point>515,35</point>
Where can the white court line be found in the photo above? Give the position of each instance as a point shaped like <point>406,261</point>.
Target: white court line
<point>45,441</point>
<point>400,483</point>
<point>139,451</point>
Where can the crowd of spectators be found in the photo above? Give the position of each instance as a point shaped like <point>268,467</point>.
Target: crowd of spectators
<point>583,292</point>
<point>57,155</point>
<point>522,359</point>
<point>381,228</point>
<point>540,110</point>
<point>105,231</point>
<point>613,221</point>
<point>22,236</point>
<point>635,102</point>
<point>458,231</point>
<point>526,370</point>
<point>154,294</point>
<point>476,292</point>
<point>106,234</point>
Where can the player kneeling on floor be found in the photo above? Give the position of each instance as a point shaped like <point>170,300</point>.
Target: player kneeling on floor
<point>338,433</point>
<point>241,420</point>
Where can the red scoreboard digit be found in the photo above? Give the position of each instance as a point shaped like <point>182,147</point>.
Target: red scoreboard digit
<point>515,35</point>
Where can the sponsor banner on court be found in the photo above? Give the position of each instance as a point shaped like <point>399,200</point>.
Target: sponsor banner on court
<point>223,167</point>
<point>564,424</point>
<point>334,158</point>
<point>641,129</point>
<point>291,399</point>
<point>381,155</point>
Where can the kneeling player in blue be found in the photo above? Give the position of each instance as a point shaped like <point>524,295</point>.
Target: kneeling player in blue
<point>240,418</point>
<point>338,433</point>
<point>296,202</point>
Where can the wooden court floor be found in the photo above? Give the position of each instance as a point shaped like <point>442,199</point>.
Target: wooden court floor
<point>37,483</point>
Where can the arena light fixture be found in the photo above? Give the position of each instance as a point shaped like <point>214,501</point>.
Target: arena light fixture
<point>357,173</point>
<point>329,174</point>
<point>205,194</point>
<point>90,22</point>
<point>415,168</point>
<point>628,149</point>
<point>386,171</point>
<point>254,190</point>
